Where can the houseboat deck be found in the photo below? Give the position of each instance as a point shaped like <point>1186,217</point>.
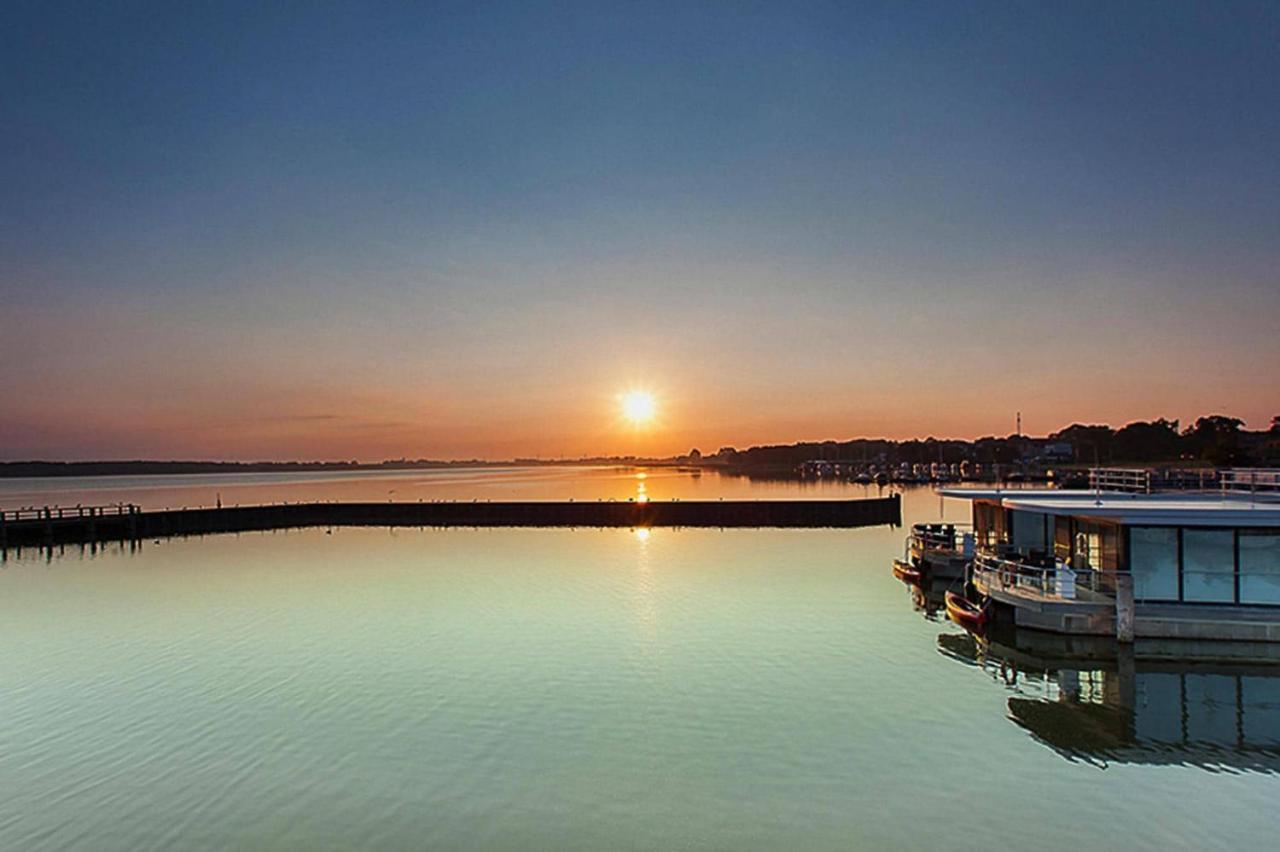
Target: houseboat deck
<point>1189,565</point>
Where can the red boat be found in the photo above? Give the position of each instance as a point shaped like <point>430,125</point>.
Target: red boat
<point>965,612</point>
<point>906,572</point>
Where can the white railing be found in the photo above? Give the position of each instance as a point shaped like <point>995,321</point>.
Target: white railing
<point>1130,480</point>
<point>938,536</point>
<point>953,537</point>
<point>1058,581</point>
<point>1250,479</point>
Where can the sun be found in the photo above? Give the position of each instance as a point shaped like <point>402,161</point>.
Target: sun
<point>638,407</point>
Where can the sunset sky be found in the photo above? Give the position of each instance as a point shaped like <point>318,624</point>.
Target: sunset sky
<point>455,230</point>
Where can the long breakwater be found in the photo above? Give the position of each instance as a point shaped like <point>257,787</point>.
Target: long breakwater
<point>87,524</point>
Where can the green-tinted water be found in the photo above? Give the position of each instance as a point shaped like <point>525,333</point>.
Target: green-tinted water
<point>579,689</point>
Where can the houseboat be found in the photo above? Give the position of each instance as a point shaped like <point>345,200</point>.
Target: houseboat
<point>940,551</point>
<point>1121,561</point>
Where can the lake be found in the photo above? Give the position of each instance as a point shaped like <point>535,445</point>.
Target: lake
<point>579,689</point>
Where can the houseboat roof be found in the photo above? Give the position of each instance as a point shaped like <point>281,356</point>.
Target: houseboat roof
<point>1167,509</point>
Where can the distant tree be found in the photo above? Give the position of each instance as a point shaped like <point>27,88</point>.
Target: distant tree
<point>1275,425</point>
<point>1215,438</point>
<point>1157,440</point>
<point>991,450</point>
<point>1091,443</point>
<point>695,454</point>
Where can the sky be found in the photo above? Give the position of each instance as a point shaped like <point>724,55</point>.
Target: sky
<point>381,230</point>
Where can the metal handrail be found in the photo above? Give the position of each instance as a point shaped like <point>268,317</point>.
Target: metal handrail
<point>938,536</point>
<point>1251,479</point>
<point>1120,479</point>
<point>1059,581</point>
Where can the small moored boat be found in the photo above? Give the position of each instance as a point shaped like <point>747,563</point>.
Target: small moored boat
<point>906,572</point>
<point>965,612</point>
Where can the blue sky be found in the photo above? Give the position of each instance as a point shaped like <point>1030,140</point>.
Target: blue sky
<point>407,228</point>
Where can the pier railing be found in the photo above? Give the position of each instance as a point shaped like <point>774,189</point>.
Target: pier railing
<point>60,513</point>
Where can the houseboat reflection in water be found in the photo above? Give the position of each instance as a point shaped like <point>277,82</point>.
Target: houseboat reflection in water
<point>1173,702</point>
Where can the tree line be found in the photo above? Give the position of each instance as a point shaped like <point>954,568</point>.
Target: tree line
<point>1214,439</point>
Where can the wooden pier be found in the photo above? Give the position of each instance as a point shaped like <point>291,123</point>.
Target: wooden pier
<point>124,522</point>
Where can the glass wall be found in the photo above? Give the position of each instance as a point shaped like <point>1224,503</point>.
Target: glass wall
<point>1259,567</point>
<point>988,523</point>
<point>1062,537</point>
<point>1096,546</point>
<point>1208,566</point>
<point>1153,558</point>
<point>1029,531</point>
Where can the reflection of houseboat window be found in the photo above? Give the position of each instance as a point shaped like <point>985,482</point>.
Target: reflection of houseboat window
<point>1153,558</point>
<point>1208,565</point>
<point>1259,567</point>
<point>1158,711</point>
<point>1212,709</point>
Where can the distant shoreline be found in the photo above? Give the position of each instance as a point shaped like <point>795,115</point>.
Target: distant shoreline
<point>44,469</point>
<point>1213,440</point>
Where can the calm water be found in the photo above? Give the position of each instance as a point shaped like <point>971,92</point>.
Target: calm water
<point>514,483</point>
<point>586,689</point>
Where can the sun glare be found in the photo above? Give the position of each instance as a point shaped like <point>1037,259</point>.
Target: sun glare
<point>638,407</point>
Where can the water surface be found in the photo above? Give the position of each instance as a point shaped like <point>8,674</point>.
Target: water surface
<point>460,483</point>
<point>584,689</point>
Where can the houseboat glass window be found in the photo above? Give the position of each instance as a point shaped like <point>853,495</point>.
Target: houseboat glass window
<point>1259,567</point>
<point>1208,566</point>
<point>1153,558</point>
<point>1111,538</point>
<point>1088,549</point>
<point>1062,537</point>
<point>1096,546</point>
<point>989,524</point>
<point>1028,531</point>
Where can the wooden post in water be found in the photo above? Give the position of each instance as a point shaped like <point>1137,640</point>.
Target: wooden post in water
<point>1124,608</point>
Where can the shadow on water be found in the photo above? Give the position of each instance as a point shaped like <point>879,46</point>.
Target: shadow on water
<point>1211,705</point>
<point>48,553</point>
<point>1215,706</point>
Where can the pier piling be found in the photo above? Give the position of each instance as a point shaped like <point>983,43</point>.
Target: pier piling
<point>1124,607</point>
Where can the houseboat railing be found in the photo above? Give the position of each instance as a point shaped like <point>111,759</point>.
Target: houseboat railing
<point>1265,480</point>
<point>1058,581</point>
<point>1129,480</point>
<point>941,536</point>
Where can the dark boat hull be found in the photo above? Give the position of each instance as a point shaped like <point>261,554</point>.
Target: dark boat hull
<point>906,572</point>
<point>965,613</point>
